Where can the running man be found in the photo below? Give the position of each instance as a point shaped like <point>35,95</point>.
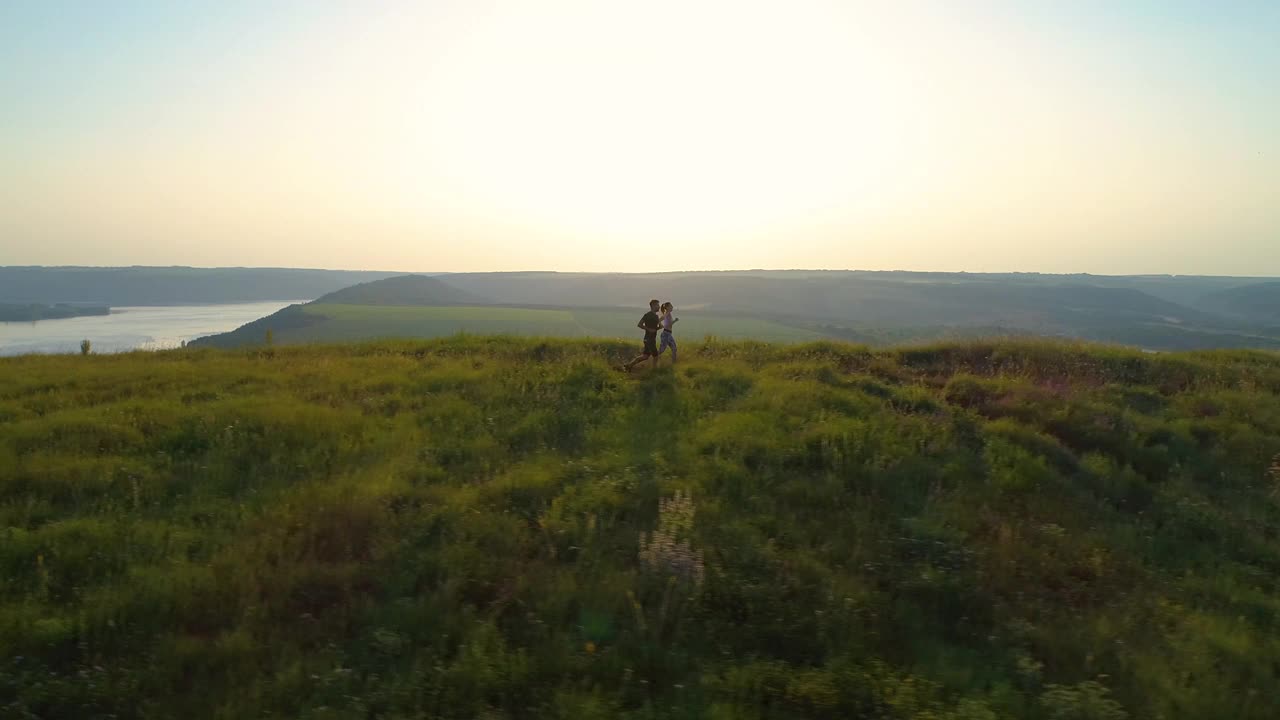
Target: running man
<point>649,324</point>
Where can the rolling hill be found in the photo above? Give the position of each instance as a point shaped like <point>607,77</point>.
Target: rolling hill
<point>770,306</point>
<point>170,285</point>
<point>509,528</point>
<point>1258,301</point>
<point>323,322</point>
<point>401,290</point>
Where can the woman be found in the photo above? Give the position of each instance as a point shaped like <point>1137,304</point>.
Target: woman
<point>668,339</point>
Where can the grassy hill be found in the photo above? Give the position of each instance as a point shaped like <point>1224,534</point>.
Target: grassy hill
<point>776,306</point>
<point>401,290</point>
<point>414,306</point>
<point>323,321</point>
<point>509,528</point>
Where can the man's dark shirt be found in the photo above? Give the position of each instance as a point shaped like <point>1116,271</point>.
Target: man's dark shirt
<point>650,324</point>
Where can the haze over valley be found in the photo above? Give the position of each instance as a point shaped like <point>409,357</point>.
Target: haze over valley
<point>876,308</point>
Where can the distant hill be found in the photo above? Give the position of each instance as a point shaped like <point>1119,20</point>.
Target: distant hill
<point>278,325</point>
<point>506,528</point>
<point>401,290</point>
<point>171,285</point>
<point>36,311</point>
<point>553,288</point>
<point>326,322</point>
<point>856,300</point>
<point>783,306</point>
<point>1260,301</point>
<point>323,319</point>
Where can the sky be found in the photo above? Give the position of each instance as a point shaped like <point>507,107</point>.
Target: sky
<point>1103,137</point>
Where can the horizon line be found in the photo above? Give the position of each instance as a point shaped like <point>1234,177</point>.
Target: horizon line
<point>625,272</point>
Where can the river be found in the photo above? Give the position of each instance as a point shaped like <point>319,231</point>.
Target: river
<point>130,328</point>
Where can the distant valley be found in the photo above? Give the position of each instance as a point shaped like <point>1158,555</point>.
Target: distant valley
<point>875,308</point>
<point>1155,312</point>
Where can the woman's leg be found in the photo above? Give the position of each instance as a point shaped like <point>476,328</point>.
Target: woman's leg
<point>668,341</point>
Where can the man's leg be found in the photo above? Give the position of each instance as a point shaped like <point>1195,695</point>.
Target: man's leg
<point>645,352</point>
<point>651,350</point>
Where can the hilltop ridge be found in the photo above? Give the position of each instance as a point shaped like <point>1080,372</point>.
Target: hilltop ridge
<point>401,290</point>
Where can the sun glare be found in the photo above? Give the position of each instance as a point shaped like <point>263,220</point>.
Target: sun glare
<point>559,133</point>
<point>719,124</point>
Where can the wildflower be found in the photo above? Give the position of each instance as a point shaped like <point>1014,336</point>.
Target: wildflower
<point>666,550</point>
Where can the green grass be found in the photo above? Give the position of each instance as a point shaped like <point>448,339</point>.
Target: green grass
<point>508,528</point>
<point>363,322</point>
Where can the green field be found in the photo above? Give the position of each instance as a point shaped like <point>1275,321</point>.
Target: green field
<point>367,322</point>
<point>364,322</point>
<point>496,527</point>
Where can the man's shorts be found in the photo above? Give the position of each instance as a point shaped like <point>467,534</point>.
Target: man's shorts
<point>651,344</point>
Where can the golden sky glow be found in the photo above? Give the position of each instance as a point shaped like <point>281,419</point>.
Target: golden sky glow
<point>583,135</point>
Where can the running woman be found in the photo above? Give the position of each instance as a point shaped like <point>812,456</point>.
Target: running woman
<point>668,339</point>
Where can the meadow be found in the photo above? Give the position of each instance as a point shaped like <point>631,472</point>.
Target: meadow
<point>501,527</point>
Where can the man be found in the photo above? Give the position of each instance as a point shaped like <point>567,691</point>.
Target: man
<point>649,324</point>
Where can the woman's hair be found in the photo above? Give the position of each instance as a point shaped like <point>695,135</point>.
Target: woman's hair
<point>666,306</point>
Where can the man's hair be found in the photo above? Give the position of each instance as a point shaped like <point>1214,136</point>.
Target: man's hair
<point>653,302</point>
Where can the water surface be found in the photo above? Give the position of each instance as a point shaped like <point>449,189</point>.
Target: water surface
<point>130,328</point>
